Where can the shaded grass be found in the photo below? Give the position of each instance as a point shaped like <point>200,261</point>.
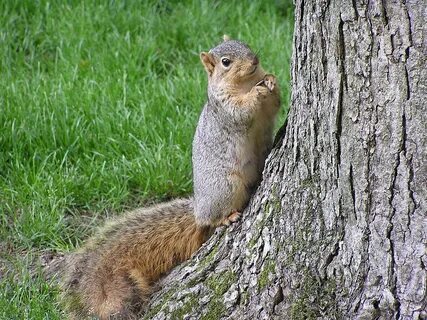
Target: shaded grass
<point>98,106</point>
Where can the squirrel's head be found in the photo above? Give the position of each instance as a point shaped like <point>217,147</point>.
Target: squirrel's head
<point>231,63</point>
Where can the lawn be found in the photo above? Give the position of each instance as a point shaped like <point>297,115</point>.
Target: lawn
<point>98,104</point>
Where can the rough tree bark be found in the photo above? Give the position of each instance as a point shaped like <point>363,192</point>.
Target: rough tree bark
<point>338,227</point>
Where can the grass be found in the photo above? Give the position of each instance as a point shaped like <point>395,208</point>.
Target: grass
<point>98,104</point>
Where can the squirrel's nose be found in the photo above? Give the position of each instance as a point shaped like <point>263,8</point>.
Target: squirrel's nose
<point>255,61</point>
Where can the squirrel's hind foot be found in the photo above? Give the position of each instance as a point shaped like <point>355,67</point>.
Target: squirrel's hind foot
<point>233,217</point>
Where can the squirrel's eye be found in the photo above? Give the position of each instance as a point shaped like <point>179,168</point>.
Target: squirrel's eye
<point>225,62</point>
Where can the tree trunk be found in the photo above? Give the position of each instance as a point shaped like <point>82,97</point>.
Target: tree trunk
<point>338,227</point>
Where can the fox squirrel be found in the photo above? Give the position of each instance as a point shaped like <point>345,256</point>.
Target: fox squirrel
<point>234,134</point>
<point>114,272</point>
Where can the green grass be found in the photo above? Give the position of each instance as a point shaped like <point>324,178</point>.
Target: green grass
<point>98,104</point>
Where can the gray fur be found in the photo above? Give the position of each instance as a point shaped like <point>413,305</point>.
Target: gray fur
<point>213,147</point>
<point>233,49</point>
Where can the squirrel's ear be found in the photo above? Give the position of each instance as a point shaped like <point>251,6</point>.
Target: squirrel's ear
<point>226,37</point>
<point>208,62</point>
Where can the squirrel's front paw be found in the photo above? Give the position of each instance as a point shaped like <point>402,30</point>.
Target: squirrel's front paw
<point>268,82</point>
<point>261,90</point>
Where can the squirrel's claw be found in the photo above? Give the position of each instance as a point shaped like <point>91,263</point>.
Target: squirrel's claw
<point>260,83</point>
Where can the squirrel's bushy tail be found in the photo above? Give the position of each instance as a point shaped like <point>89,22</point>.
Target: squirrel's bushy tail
<point>115,270</point>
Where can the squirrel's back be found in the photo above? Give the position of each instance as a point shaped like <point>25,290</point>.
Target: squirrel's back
<point>116,269</point>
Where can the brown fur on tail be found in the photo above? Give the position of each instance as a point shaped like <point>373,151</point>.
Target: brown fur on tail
<point>116,269</point>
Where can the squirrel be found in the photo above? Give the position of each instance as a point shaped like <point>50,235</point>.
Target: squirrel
<point>234,134</point>
<point>116,270</point>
